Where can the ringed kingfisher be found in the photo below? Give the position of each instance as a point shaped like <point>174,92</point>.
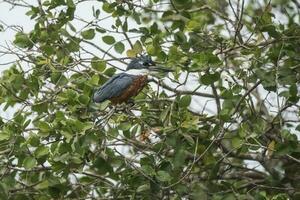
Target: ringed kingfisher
<point>121,87</point>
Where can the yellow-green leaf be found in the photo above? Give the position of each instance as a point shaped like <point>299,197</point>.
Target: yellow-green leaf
<point>29,163</point>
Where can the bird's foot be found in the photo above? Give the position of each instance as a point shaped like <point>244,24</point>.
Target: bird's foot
<point>102,121</point>
<point>130,103</point>
<point>129,106</point>
<point>125,107</point>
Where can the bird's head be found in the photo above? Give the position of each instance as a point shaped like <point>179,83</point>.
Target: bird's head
<point>142,62</point>
<point>145,62</point>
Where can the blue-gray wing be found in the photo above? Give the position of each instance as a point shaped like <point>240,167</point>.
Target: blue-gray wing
<point>113,87</point>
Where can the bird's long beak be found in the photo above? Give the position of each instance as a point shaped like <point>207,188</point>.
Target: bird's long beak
<point>160,69</point>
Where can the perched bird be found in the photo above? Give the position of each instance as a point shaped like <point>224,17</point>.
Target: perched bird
<point>121,87</point>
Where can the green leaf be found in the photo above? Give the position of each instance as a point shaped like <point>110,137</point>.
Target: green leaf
<point>100,30</point>
<point>4,135</point>
<point>22,40</point>
<point>271,30</point>
<point>112,134</point>
<point>298,128</point>
<point>3,191</point>
<point>41,151</point>
<point>108,39</point>
<point>94,80</point>
<point>58,78</point>
<point>109,8</point>
<point>209,159</point>
<point>34,140</point>
<point>119,47</point>
<point>29,162</point>
<point>96,13</point>
<point>98,64</point>
<point>148,170</point>
<point>102,166</point>
<point>83,99</point>
<point>131,53</point>
<point>194,25</point>
<point>293,90</point>
<point>110,71</point>
<point>125,126</point>
<point>44,126</point>
<point>164,114</point>
<point>243,131</point>
<point>208,79</point>
<point>180,37</point>
<point>26,123</point>
<point>70,3</point>
<point>73,45</point>
<point>72,27</point>
<point>125,26</point>
<point>143,188</point>
<point>163,176</point>
<point>225,114</point>
<point>179,157</point>
<point>68,135</point>
<point>182,2</point>
<point>151,50</point>
<point>137,47</point>
<point>88,34</point>
<point>236,142</point>
<point>42,185</point>
<point>206,58</point>
<point>185,101</point>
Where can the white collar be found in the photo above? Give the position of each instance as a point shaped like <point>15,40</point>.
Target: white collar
<point>138,72</point>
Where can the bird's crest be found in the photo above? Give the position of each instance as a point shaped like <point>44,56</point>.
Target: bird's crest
<point>141,62</point>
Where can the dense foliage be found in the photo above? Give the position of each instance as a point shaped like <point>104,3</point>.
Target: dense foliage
<point>223,125</point>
